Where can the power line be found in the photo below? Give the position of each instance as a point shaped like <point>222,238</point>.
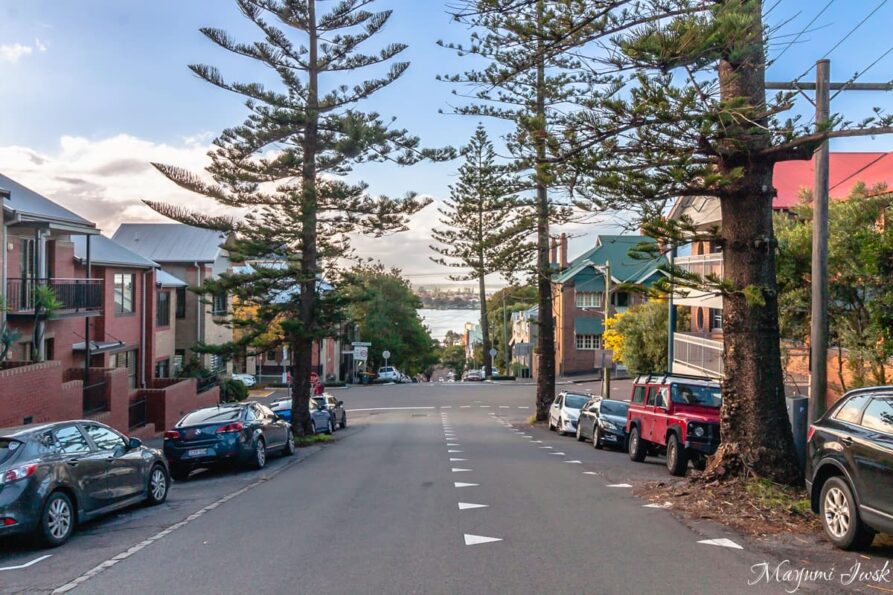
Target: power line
<point>856,28</point>
<point>808,25</point>
<point>863,71</point>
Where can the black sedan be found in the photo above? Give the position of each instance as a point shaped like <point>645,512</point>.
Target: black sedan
<point>604,422</point>
<point>849,467</point>
<point>54,476</point>
<point>335,408</point>
<point>234,432</point>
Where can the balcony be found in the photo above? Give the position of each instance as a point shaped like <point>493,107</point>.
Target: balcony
<point>77,296</point>
<point>702,265</point>
<point>697,354</point>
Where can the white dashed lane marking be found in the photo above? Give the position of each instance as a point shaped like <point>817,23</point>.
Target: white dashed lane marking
<point>478,539</point>
<point>722,542</point>
<point>459,484</point>
<point>469,506</point>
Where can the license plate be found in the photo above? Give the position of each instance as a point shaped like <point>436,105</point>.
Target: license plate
<point>196,452</point>
<point>610,437</point>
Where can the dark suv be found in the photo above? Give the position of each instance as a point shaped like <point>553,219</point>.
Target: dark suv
<point>676,414</point>
<point>849,467</point>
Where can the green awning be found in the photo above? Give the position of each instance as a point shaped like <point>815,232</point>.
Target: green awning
<point>589,326</point>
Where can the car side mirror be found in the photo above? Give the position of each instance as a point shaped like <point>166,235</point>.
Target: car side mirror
<point>134,443</point>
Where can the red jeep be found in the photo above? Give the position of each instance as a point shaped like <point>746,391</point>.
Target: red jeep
<point>675,413</point>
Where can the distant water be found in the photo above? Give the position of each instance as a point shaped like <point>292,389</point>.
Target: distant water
<point>441,321</point>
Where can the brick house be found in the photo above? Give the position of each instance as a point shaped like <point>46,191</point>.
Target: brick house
<point>191,255</point>
<point>700,350</point>
<point>578,291</point>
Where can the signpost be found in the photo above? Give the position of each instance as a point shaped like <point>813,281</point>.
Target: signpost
<point>493,352</point>
<point>360,354</point>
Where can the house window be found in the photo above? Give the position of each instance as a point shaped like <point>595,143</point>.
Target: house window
<point>588,299</point>
<point>620,299</point>
<point>126,360</point>
<point>163,308</point>
<point>589,342</point>
<point>125,290</point>
<point>181,302</point>
<point>715,319</point>
<point>271,356</point>
<point>179,360</point>
<point>163,369</point>
<point>219,304</point>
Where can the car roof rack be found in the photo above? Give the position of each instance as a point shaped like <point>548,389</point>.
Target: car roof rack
<point>661,378</point>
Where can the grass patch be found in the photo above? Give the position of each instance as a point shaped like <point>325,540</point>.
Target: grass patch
<point>773,496</point>
<point>302,441</point>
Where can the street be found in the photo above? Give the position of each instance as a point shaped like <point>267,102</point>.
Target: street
<point>431,489</point>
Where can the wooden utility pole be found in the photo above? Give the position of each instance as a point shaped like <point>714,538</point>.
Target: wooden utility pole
<point>818,342</point>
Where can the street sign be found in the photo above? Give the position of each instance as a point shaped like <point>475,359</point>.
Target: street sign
<point>386,354</point>
<point>360,353</point>
<point>493,352</point>
<point>604,359</point>
<point>361,344</point>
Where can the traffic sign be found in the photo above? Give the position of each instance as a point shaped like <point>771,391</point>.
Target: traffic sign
<point>493,352</point>
<point>386,354</point>
<point>361,344</point>
<point>360,353</point>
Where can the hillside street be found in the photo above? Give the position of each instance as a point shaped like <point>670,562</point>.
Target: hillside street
<point>379,511</point>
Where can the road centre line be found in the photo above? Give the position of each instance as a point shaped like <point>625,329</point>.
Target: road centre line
<point>388,409</point>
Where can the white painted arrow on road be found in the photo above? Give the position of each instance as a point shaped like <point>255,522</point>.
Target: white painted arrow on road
<point>469,506</point>
<point>722,542</point>
<point>478,539</point>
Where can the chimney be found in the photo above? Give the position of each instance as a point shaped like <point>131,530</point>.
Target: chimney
<point>562,249</point>
<point>553,251</point>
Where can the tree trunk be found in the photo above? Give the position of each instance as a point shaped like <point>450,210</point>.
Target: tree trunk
<point>485,329</point>
<point>756,433</point>
<point>303,345</point>
<point>545,376</point>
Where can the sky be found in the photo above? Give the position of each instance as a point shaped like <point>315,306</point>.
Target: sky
<point>93,91</point>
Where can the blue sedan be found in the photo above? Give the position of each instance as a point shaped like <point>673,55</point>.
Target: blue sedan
<point>322,419</point>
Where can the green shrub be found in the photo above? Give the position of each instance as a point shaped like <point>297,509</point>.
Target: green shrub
<point>232,390</point>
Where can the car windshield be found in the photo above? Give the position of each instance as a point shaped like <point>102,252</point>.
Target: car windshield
<point>209,416</point>
<point>693,394</point>
<point>575,401</point>
<point>613,408</point>
<point>7,447</point>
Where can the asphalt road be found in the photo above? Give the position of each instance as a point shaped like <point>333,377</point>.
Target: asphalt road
<point>382,510</point>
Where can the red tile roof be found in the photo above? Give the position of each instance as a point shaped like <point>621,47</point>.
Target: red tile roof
<point>846,169</point>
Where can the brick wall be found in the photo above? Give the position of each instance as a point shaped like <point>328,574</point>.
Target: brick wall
<point>169,402</point>
<point>37,391</point>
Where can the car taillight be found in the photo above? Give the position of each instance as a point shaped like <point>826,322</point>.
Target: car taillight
<point>236,427</point>
<point>7,522</point>
<point>18,473</point>
<point>171,435</point>
<point>810,432</point>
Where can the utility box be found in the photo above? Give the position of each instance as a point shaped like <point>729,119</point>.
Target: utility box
<point>798,407</point>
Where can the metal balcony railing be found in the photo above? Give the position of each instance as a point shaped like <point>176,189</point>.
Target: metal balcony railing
<point>75,295</point>
<point>699,353</point>
<point>703,264</point>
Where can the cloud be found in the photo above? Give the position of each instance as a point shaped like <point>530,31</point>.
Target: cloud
<point>13,52</point>
<point>106,180</point>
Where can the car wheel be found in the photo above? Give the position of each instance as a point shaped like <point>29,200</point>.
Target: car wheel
<point>57,520</point>
<point>343,421</point>
<point>560,428</point>
<point>840,519</point>
<point>551,426</point>
<point>289,449</point>
<point>158,486</point>
<point>331,429</point>
<point>597,439</point>
<point>677,457</point>
<point>580,437</point>
<point>636,446</point>
<point>699,462</point>
<point>260,454</point>
<point>180,472</point>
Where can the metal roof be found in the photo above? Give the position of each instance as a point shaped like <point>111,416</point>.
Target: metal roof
<point>616,249</point>
<point>165,279</point>
<point>31,205</point>
<point>171,242</point>
<point>104,251</point>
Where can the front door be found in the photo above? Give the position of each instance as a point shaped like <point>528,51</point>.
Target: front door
<point>124,465</point>
<point>86,467</point>
<point>873,455</point>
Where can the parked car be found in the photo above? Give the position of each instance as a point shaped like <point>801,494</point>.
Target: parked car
<point>246,379</point>
<point>604,422</point>
<point>565,411</point>
<point>323,421</point>
<point>676,414</point>
<point>232,432</point>
<point>472,376</point>
<point>389,374</point>
<point>334,407</point>
<point>849,467</point>
<point>55,476</point>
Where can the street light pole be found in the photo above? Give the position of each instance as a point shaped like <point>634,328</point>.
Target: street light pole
<point>606,370</point>
<point>505,341</point>
<point>671,315</point>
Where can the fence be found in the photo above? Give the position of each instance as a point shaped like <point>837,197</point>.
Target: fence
<point>699,353</point>
<point>137,414</point>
